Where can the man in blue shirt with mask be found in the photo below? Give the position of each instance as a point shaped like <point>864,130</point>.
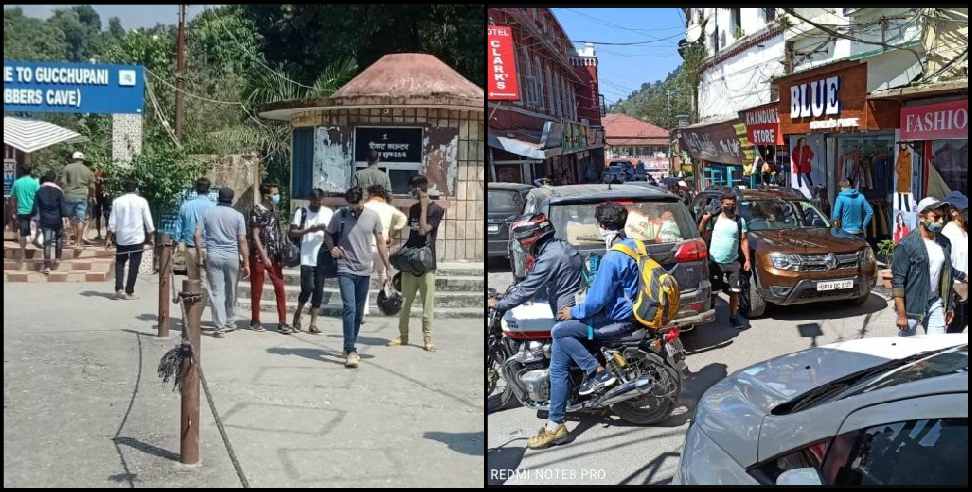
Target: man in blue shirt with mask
<point>190,213</point>
<point>605,313</point>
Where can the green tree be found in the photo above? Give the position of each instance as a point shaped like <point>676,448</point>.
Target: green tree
<point>31,39</point>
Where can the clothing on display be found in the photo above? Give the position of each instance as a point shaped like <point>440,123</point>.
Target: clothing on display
<point>903,170</point>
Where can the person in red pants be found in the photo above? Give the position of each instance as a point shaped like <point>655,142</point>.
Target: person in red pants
<point>266,247</point>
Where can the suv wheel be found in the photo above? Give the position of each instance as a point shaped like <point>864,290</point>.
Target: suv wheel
<point>751,303</point>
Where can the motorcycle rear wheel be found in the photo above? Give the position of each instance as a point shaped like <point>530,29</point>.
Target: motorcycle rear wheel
<point>501,399</point>
<point>651,409</point>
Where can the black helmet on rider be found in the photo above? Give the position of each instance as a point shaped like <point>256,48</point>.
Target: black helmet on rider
<point>529,230</point>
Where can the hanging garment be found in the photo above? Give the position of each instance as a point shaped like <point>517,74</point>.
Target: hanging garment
<point>903,171</point>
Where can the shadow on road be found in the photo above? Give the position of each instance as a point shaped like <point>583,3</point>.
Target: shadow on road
<point>713,335</point>
<point>315,354</point>
<point>147,448</point>
<point>497,265</point>
<point>93,293</point>
<point>829,310</point>
<point>501,462</point>
<point>463,442</point>
<point>652,467</point>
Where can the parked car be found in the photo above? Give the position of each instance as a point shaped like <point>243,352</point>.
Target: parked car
<point>796,256</point>
<point>504,201</point>
<point>654,215</point>
<point>620,171</point>
<point>871,411</point>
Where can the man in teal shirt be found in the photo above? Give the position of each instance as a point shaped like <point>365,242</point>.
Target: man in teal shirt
<point>23,191</point>
<point>728,238</point>
<point>190,213</point>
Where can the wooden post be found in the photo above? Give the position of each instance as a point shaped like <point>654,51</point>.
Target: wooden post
<point>165,285</point>
<point>189,428</point>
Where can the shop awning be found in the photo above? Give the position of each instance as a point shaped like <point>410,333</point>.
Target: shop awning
<point>960,86</point>
<point>515,146</point>
<point>31,135</point>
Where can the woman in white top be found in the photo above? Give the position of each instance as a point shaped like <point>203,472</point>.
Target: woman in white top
<point>956,230</point>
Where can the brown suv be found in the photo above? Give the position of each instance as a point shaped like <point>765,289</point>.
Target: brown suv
<point>797,257</point>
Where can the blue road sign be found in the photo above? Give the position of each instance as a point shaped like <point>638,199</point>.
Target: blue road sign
<point>72,87</point>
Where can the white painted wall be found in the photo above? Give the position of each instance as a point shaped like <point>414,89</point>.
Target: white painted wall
<point>742,81</point>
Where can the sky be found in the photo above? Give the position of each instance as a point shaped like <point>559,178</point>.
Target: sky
<point>622,69</point>
<point>131,16</point>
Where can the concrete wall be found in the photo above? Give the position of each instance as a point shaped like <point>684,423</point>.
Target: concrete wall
<point>741,81</point>
<point>453,157</point>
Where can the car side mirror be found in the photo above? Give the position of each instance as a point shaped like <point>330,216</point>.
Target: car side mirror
<point>799,476</point>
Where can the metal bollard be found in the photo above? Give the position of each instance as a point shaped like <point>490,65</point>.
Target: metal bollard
<point>165,281</point>
<point>189,429</point>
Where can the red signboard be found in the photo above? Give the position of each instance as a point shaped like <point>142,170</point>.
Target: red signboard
<point>763,125</point>
<point>502,64</point>
<point>947,120</point>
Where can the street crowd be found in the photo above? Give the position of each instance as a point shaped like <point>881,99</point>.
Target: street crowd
<point>221,246</point>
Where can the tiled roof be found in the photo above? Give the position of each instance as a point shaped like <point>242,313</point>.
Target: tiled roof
<point>617,125</point>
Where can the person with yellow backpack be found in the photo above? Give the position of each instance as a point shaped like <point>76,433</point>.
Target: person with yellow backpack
<point>613,302</point>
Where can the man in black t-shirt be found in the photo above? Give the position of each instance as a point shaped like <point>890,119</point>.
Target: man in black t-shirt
<point>423,223</point>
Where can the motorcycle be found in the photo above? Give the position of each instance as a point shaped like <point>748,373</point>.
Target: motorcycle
<point>648,365</point>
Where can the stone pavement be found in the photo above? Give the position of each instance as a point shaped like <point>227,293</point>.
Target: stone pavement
<point>83,405</point>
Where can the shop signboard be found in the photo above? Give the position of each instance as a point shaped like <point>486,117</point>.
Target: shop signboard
<point>828,98</point>
<point>502,64</point>
<point>9,175</point>
<point>940,121</point>
<point>714,143</point>
<point>763,124</point>
<point>72,87</point>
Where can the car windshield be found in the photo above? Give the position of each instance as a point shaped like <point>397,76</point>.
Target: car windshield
<point>503,200</point>
<point>777,213</point>
<point>954,360</point>
<point>652,222</point>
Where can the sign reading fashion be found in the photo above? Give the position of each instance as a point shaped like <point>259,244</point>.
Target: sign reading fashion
<point>72,87</point>
<point>947,120</point>
<point>394,145</point>
<point>502,64</point>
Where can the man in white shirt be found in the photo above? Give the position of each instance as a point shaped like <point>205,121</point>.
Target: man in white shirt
<point>308,227</point>
<point>393,221</point>
<point>130,225</point>
<point>957,234</point>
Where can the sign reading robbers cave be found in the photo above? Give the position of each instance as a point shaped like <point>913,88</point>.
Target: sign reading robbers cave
<point>394,145</point>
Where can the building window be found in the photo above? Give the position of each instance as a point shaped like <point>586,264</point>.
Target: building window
<point>524,70</point>
<point>548,101</point>
<point>769,15</point>
<point>538,76</point>
<point>736,22</point>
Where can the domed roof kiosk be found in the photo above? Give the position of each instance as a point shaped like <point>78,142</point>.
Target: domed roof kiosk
<point>422,117</point>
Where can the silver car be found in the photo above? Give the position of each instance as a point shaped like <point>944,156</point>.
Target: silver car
<point>874,411</point>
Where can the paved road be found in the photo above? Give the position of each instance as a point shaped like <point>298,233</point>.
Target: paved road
<point>83,405</point>
<point>606,450</point>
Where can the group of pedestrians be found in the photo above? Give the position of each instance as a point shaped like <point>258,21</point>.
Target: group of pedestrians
<point>222,247</point>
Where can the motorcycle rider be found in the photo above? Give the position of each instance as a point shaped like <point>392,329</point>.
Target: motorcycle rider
<point>605,313</point>
<point>556,269</point>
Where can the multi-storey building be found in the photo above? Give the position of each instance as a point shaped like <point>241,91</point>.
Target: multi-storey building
<point>554,129</point>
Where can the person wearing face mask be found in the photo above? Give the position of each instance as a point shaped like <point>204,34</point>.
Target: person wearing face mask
<point>266,255</point>
<point>922,274</point>
<point>728,239</point>
<point>358,227</point>
<point>308,228</point>
<point>605,313</point>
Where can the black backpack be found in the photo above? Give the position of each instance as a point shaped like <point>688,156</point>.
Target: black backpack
<point>324,259</point>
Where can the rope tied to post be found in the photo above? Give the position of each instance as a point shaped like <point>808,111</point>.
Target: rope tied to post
<point>171,366</point>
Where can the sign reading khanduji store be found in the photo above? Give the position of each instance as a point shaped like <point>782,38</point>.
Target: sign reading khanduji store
<point>72,87</point>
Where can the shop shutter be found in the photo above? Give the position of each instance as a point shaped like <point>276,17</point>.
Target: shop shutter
<point>302,168</point>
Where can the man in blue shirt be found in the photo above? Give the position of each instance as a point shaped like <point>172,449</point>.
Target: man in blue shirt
<point>190,213</point>
<point>852,209</point>
<point>605,313</point>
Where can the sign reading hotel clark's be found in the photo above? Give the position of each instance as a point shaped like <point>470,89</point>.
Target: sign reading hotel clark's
<point>502,65</point>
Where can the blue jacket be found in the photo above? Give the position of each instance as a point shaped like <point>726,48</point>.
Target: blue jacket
<point>615,287</point>
<point>555,276</point>
<point>853,211</point>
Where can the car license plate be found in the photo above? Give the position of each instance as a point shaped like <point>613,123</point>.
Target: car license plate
<point>837,284</point>
<point>493,228</point>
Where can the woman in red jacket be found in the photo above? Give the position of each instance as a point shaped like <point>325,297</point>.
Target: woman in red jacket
<point>801,161</point>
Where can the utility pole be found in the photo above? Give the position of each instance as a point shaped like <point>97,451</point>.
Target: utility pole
<point>180,71</point>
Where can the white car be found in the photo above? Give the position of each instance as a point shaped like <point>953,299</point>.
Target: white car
<point>874,411</point>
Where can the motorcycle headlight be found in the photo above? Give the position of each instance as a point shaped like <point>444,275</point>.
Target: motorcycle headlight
<point>783,262</point>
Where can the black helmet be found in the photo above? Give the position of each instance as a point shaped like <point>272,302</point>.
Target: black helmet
<point>397,281</point>
<point>530,229</point>
<point>389,301</point>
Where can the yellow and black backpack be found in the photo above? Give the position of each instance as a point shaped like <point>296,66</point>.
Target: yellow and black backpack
<point>658,296</point>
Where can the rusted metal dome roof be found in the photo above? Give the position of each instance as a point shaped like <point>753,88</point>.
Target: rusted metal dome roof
<point>402,79</point>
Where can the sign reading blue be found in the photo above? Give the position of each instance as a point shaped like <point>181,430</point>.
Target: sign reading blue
<point>72,87</point>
